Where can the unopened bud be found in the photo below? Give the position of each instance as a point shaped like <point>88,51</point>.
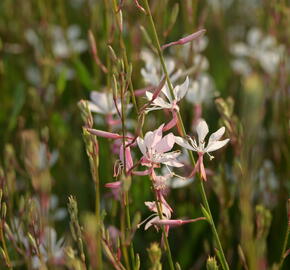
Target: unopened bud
<point>211,264</point>
<point>146,35</point>
<point>3,210</point>
<point>137,262</point>
<point>8,230</point>
<point>112,54</point>
<point>32,241</point>
<point>154,253</point>
<point>3,254</point>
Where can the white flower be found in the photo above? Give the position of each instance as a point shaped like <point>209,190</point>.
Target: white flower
<point>154,149</point>
<point>102,102</point>
<point>200,146</point>
<point>201,90</point>
<point>63,47</point>
<point>152,72</point>
<point>168,102</point>
<point>263,49</point>
<point>50,248</point>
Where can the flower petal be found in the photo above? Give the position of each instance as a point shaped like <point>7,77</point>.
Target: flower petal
<point>165,144</point>
<point>141,145</point>
<point>202,131</point>
<point>216,145</point>
<point>180,90</point>
<point>149,223</point>
<point>165,90</point>
<point>183,143</point>
<point>157,136</point>
<point>102,100</point>
<point>216,135</point>
<point>94,108</point>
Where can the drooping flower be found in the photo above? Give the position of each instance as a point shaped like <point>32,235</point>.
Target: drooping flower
<point>199,146</point>
<point>155,149</point>
<point>166,214</point>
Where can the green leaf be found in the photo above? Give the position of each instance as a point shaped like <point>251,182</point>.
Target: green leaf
<point>83,74</point>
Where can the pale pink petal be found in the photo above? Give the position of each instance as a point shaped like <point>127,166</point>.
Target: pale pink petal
<point>173,163</point>
<point>141,145</point>
<point>172,123</point>
<point>129,160</point>
<point>165,144</point>
<point>165,90</point>
<point>183,143</point>
<point>149,223</point>
<point>180,90</point>
<point>216,145</point>
<point>148,139</point>
<point>157,136</point>
<point>202,130</point>
<point>94,108</point>
<point>216,135</point>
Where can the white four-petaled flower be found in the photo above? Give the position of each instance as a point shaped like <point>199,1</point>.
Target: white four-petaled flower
<point>214,142</point>
<point>168,102</point>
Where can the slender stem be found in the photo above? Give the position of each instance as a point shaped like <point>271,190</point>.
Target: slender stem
<point>126,200</point>
<point>285,239</point>
<point>126,195</point>
<point>128,218</point>
<point>125,58</point>
<point>97,213</point>
<point>123,237</point>
<point>215,233</point>
<point>204,198</point>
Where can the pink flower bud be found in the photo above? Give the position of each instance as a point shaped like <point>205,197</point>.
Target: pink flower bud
<point>186,39</point>
<point>176,222</point>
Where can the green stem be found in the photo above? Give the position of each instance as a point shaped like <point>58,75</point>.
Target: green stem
<point>97,213</point>
<point>125,58</point>
<point>204,198</point>
<point>215,233</point>
<point>285,241</point>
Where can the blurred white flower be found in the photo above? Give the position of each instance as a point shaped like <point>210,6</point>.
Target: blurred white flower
<point>267,184</point>
<point>152,72</point>
<point>261,48</point>
<point>103,103</point>
<point>65,42</point>
<point>51,249</point>
<point>201,90</point>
